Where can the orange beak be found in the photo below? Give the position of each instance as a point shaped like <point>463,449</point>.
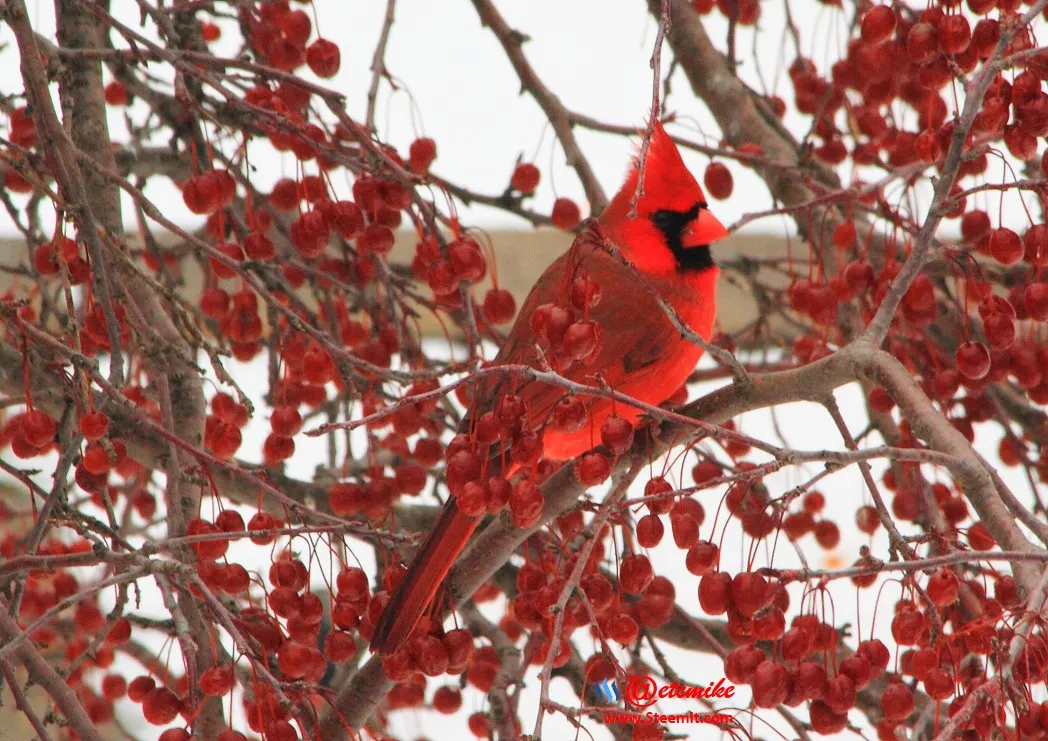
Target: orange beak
<point>704,229</point>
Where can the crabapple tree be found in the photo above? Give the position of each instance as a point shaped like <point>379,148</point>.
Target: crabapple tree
<point>165,577</point>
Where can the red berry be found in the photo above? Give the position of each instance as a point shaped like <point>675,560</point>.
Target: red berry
<point>616,433</point>
<point>840,693</point>
<point>447,699</point>
<point>1035,300</point>
<point>741,663</point>
<point>94,424</point>
<point>878,24</point>
<point>295,27</point>
<point>276,449</point>
<point>262,521</point>
<point>139,687</point>
<point>844,235</point>
<point>592,469</point>
<point>421,154</point>
<point>114,686</point>
<point>216,681</point>
<point>715,592</point>
<point>649,531</point>
<point>954,34</point>
<point>813,502</point>
<point>525,178</point>
<point>975,225</point>
<point>323,57</point>
<point>702,558</point>
<point>566,214</point>
<point>943,588</point>
<point>115,93</point>
<point>622,629</point>
<point>827,534</point>
<point>907,626</point>
<point>499,306</point>
<point>928,146</point>
<point>209,31</point>
<point>771,684</point>
<point>1005,246</point>
<point>999,329</point>
<point>430,656</point>
<point>121,630</point>
<point>310,234</point>
<point>38,429</point>
<point>811,680</point>
<point>897,701</point>
<point>938,684</point>
<point>258,246</point>
<point>582,340</point>
<point>749,592</point>
<point>161,706</point>
<point>979,537</point>
<point>718,180</point>
<point>206,549</point>
<point>346,218</point>
<point>466,260</point>
<point>824,720</point>
<point>867,519</point>
<point>525,503</point>
<point>285,421</point>
<point>973,360</point>
<point>685,518</point>
<point>214,302</point>
<point>635,573</point>
<point>921,43</point>
<point>376,239</point>
<point>201,194</point>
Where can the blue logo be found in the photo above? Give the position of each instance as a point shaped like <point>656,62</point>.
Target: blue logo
<point>608,691</point>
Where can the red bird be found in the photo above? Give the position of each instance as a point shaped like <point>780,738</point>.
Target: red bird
<point>638,352</point>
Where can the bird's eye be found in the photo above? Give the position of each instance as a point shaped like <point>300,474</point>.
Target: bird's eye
<point>662,219</point>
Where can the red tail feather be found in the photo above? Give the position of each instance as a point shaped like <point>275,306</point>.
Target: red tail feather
<point>425,575</point>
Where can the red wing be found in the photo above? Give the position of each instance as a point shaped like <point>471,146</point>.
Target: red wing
<point>636,332</point>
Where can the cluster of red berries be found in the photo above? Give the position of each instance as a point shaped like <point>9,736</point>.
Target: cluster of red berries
<point>564,330</point>
<point>565,215</point>
<point>48,258</point>
<point>209,191</point>
<point>222,427</point>
<point>798,524</point>
<point>280,35</point>
<point>744,12</point>
<point>502,433</point>
<point>30,433</point>
<point>22,134</point>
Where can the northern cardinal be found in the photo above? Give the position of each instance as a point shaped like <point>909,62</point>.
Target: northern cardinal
<point>636,350</point>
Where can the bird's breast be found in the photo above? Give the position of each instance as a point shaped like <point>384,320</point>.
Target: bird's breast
<point>693,299</point>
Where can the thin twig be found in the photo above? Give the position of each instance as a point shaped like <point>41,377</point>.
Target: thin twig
<point>378,63</point>
<point>653,114</point>
<point>512,42</point>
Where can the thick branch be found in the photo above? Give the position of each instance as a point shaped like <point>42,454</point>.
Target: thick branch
<point>41,672</point>
<point>971,475</point>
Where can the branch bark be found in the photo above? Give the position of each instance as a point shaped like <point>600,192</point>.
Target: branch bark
<point>512,42</point>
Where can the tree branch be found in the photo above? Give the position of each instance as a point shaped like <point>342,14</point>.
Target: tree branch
<point>512,42</point>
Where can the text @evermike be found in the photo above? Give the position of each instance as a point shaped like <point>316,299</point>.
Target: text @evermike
<point>642,691</point>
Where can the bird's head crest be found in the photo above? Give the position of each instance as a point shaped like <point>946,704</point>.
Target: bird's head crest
<point>670,216</point>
